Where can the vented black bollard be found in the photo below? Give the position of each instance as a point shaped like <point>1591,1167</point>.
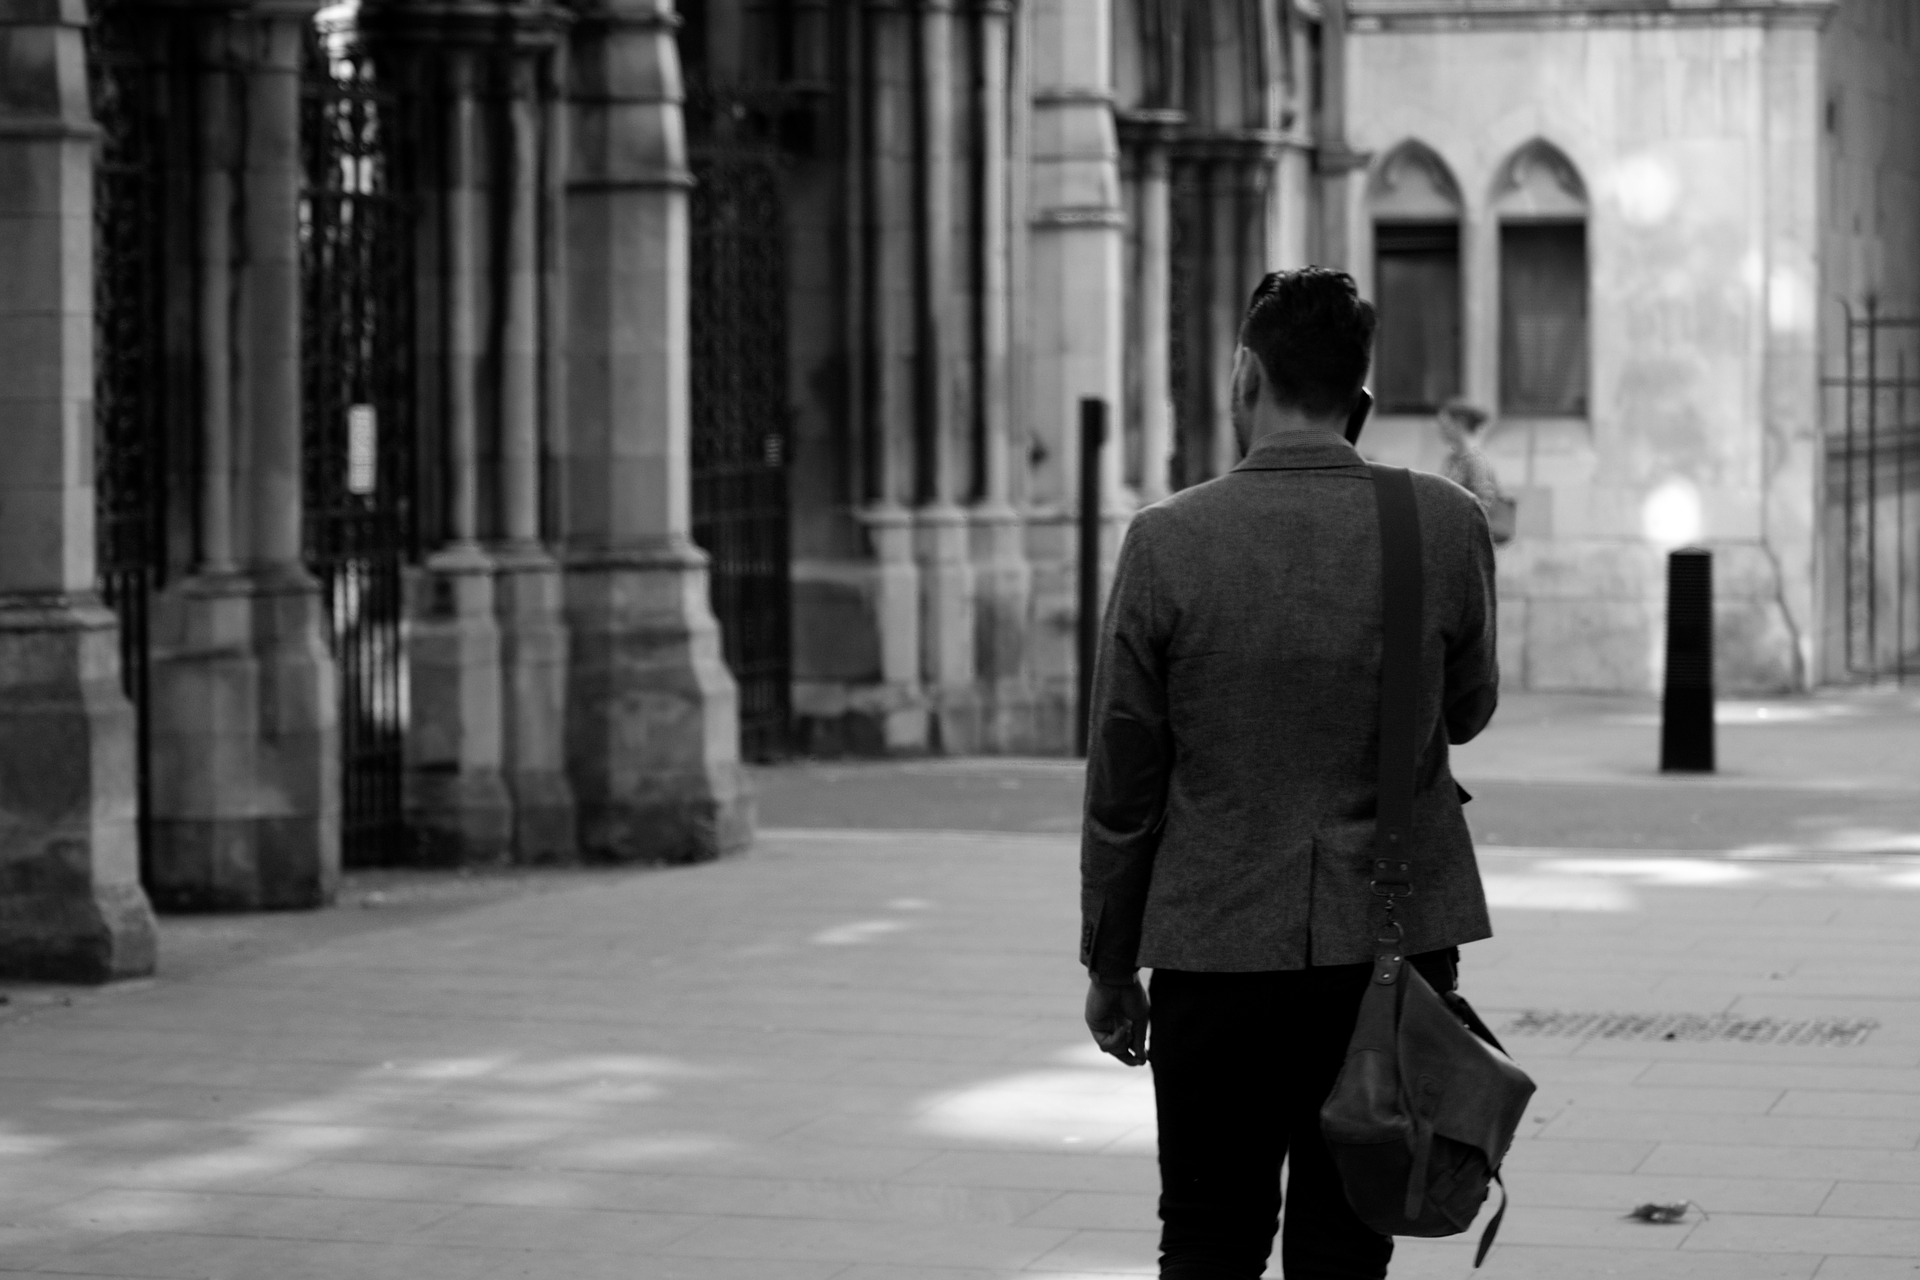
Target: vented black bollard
<point>1686,712</point>
<point>1093,437</point>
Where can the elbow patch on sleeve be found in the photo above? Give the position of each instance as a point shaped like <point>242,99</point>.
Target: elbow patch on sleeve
<point>1129,776</point>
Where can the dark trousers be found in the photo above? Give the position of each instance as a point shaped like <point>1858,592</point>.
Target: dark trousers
<point>1241,1064</point>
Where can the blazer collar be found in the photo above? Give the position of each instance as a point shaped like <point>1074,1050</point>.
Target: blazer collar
<point>1301,451</point>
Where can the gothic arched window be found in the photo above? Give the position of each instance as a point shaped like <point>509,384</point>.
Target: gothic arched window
<point>1541,204</point>
<point>1415,207</point>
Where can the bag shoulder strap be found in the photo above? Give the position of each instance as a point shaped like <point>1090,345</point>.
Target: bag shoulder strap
<point>1402,593</point>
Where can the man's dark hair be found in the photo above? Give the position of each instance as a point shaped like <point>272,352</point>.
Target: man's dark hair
<point>1313,334</point>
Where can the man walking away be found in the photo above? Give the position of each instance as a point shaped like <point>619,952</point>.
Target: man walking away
<point>1231,785</point>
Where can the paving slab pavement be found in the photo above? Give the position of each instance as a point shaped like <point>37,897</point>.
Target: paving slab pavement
<point>855,1054</point>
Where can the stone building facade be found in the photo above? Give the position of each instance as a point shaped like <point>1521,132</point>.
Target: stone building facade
<point>454,429</point>
<point>349,365</point>
<point>1709,187</point>
<point>1004,209</point>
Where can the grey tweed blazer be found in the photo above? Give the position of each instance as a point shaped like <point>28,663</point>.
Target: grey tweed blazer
<point>1232,763</point>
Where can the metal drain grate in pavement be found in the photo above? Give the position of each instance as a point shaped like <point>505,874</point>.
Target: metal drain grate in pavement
<point>1838,1032</point>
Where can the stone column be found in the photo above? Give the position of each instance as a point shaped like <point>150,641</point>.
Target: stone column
<point>457,802</point>
<point>1150,304</point>
<point>71,908</point>
<point>1003,580</point>
<point>652,713</point>
<point>1076,306</point>
<point>889,333</point>
<point>533,639</point>
<point>1335,162</point>
<point>245,759</point>
<point>940,524</point>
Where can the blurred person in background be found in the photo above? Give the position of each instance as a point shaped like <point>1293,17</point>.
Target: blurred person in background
<point>1461,427</point>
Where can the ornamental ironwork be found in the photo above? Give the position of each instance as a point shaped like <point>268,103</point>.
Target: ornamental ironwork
<point>1873,495</point>
<point>127,86</point>
<point>359,430</point>
<point>740,425</point>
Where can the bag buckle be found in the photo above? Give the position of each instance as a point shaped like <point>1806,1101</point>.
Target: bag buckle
<point>1388,950</point>
<point>1392,878</point>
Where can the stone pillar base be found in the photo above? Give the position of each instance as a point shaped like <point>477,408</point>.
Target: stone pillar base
<point>71,909</point>
<point>1003,599</point>
<point>1051,646</point>
<point>941,552</point>
<point>653,735</point>
<point>457,804</point>
<point>533,661</point>
<point>245,746</point>
<point>901,701</point>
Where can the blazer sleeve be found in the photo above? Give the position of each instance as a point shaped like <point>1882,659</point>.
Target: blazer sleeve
<point>1473,659</point>
<point>1129,758</point>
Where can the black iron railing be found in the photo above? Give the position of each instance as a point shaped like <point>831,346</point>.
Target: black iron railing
<point>1873,479</point>
<point>359,430</point>
<point>740,425</point>
<point>127,82</point>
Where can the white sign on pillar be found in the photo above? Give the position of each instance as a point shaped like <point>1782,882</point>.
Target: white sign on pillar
<point>363,449</point>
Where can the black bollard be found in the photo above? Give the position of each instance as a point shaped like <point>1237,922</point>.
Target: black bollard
<point>1686,712</point>
<point>1093,436</point>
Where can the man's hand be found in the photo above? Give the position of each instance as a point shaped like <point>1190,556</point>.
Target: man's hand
<point>1117,1016</point>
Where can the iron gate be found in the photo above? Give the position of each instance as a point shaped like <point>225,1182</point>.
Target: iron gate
<point>740,422</point>
<point>127,85</point>
<point>357,278</point>
<point>1873,473</point>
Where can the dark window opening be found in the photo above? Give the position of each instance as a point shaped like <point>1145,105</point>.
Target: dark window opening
<point>1417,292</point>
<point>1543,318</point>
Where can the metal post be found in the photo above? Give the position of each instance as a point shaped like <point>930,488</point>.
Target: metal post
<point>1900,513</point>
<point>1873,489</point>
<point>1093,437</point>
<point>1847,536</point>
<point>1686,711</point>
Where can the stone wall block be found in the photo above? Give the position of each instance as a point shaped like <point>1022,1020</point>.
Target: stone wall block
<point>1592,646</point>
<point>71,906</point>
<point>1753,648</point>
<point>456,800</point>
<point>246,753</point>
<point>533,657</point>
<point>653,738</point>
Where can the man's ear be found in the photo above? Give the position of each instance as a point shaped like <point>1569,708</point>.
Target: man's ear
<point>1247,379</point>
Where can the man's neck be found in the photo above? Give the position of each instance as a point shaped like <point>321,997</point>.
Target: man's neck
<point>1291,424</point>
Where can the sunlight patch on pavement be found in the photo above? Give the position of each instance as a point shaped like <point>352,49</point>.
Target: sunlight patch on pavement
<point>1732,712</point>
<point>589,1110</point>
<point>14,1143</point>
<point>1661,871</point>
<point>1598,879</point>
<point>1090,1102</point>
<point>1556,892</point>
<point>1856,841</point>
<point>448,1068</point>
<point>859,931</point>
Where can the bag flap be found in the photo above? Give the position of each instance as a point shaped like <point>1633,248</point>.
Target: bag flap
<point>1471,1091</point>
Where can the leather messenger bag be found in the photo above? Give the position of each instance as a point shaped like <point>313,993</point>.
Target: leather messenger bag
<point>1427,1101</point>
